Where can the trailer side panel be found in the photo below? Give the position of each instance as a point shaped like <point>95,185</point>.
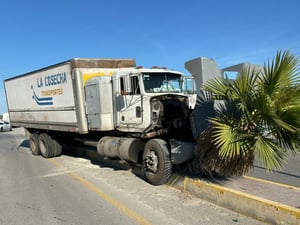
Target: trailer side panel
<point>43,99</point>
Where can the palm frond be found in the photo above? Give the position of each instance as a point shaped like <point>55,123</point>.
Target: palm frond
<point>282,72</point>
<point>271,155</point>
<point>207,160</point>
<point>231,141</point>
<point>219,87</point>
<point>245,84</point>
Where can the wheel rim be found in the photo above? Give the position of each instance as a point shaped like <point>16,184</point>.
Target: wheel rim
<point>151,162</point>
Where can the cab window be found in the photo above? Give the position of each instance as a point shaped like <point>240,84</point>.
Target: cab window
<point>130,85</point>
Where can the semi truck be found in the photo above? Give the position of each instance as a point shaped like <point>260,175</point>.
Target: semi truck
<point>146,116</point>
<point>140,115</point>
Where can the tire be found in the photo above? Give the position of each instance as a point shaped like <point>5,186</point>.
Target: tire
<point>57,147</point>
<point>34,144</point>
<point>46,145</point>
<point>157,166</point>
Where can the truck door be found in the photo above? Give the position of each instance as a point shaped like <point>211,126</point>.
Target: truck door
<point>129,102</point>
<point>189,88</point>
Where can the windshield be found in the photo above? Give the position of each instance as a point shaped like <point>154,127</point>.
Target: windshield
<point>162,82</point>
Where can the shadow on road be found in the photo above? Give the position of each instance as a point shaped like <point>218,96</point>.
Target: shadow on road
<point>90,153</point>
<point>24,144</point>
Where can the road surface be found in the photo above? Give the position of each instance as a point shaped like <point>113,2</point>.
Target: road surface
<point>289,174</point>
<point>74,190</point>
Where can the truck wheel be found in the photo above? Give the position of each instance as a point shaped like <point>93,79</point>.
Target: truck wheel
<point>57,147</point>
<point>157,166</point>
<point>34,144</point>
<point>46,145</point>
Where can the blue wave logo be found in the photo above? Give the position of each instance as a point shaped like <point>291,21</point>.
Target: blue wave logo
<point>41,101</point>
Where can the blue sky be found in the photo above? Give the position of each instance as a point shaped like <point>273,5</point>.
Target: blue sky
<point>39,33</point>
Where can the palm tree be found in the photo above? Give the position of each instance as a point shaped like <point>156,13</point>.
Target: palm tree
<point>257,115</point>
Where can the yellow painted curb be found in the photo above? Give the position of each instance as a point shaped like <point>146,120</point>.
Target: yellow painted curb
<point>272,183</point>
<point>255,207</point>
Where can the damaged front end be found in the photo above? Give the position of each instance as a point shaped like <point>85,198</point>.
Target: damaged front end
<point>171,121</point>
<point>172,114</point>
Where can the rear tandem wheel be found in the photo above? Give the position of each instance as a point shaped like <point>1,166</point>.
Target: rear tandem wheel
<point>49,146</point>
<point>34,144</point>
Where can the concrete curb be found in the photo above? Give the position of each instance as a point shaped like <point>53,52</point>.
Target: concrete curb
<point>249,205</point>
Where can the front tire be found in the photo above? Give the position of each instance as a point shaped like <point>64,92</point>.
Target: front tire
<point>157,166</point>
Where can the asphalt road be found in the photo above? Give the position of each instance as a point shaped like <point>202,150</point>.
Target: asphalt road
<point>74,190</point>
<point>289,174</point>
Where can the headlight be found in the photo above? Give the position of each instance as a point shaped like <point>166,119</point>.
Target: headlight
<point>156,108</point>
